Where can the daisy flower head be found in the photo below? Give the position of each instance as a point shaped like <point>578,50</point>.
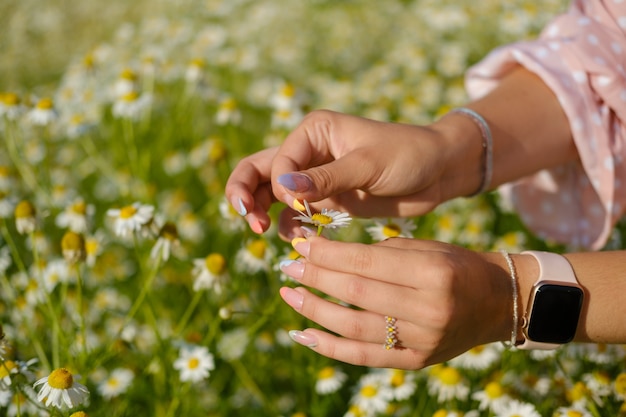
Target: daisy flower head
<point>479,357</point>
<point>619,386</point>
<point>492,397</point>
<point>372,394</point>
<point>167,240</point>
<point>194,363</point>
<point>401,382</point>
<point>255,256</point>
<point>210,272</point>
<point>130,219</point>
<point>329,380</point>
<point>116,383</point>
<point>388,228</point>
<point>11,106</point>
<point>60,390</point>
<point>131,105</point>
<point>43,113</point>
<point>75,216</point>
<point>572,412</point>
<point>73,247</point>
<point>447,383</point>
<point>327,218</point>
<point>25,217</point>
<point>515,408</point>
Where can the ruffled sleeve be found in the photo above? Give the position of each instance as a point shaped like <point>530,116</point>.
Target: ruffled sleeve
<point>581,56</point>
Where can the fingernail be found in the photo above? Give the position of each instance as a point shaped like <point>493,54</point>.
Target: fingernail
<point>298,205</point>
<point>292,297</point>
<point>307,231</point>
<point>301,245</point>
<point>239,207</point>
<point>293,268</point>
<point>295,182</point>
<point>303,338</point>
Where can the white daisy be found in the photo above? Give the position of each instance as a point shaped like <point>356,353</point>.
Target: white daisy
<point>447,383</point>
<point>5,259</point>
<point>228,112</point>
<point>387,228</point>
<point>372,394</point>
<point>131,218</point>
<point>131,106</point>
<point>25,217</point>
<point>194,363</point>
<point>327,218</point>
<point>515,408</point>
<point>11,106</point>
<point>479,357</point>
<point>619,386</point>
<point>572,412</point>
<point>75,216</point>
<point>167,240</point>
<point>233,344</point>
<point>210,272</point>
<point>255,256</point>
<point>401,382</point>
<point>61,391</point>
<point>43,113</point>
<point>116,383</point>
<point>492,397</point>
<point>329,380</point>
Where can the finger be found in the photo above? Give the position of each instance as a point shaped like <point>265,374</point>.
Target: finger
<point>361,353</point>
<point>246,178</point>
<point>379,262</point>
<point>354,324</point>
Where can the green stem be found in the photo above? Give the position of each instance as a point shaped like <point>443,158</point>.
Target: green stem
<point>79,308</point>
<point>188,312</point>
<point>142,295</point>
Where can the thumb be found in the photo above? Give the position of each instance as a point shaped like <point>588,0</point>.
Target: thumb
<point>350,172</point>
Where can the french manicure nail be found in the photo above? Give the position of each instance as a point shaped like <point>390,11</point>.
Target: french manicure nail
<point>307,231</point>
<point>295,182</point>
<point>292,297</point>
<point>293,268</point>
<point>301,245</point>
<point>303,338</point>
<point>239,207</point>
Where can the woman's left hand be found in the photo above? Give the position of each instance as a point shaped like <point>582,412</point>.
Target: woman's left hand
<point>446,300</point>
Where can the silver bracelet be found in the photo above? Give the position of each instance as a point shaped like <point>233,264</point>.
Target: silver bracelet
<point>485,132</point>
<point>509,262</point>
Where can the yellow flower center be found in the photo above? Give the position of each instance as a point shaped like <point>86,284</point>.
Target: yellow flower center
<point>11,99</point>
<point>445,222</point>
<point>397,379</point>
<point>24,210</point>
<point>449,376</point>
<point>477,350</point>
<point>215,263</point>
<point>113,382</point>
<point>440,413</point>
<point>79,207</point>
<point>574,413</point>
<point>620,384</point>
<point>91,246</point>
<point>44,104</point>
<point>257,248</point>
<point>79,414</point>
<point>391,230</point>
<point>61,379</point>
<point>5,171</point>
<point>128,74</point>
<point>217,151</point>
<point>130,97</point>
<point>326,373</point>
<point>72,241</point>
<point>369,391</point>
<point>322,219</point>
<point>577,392</point>
<point>288,90</point>
<point>128,212</point>
<point>197,62</point>
<point>6,367</point>
<point>193,363</point>
<point>169,231</point>
<point>228,104</point>
<point>494,390</point>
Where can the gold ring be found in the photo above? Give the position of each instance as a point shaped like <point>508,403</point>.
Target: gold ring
<point>392,333</point>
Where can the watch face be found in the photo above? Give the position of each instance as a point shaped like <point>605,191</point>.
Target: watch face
<point>555,313</point>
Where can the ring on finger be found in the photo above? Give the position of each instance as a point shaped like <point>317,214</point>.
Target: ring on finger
<point>391,338</point>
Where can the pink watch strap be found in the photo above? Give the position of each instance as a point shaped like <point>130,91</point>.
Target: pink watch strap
<point>552,267</point>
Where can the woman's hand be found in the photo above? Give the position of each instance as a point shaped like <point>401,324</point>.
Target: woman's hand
<point>446,299</point>
<point>361,166</point>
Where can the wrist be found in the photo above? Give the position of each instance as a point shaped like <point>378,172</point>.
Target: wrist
<point>462,141</point>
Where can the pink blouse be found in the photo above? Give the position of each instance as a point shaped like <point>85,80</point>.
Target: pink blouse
<point>581,56</point>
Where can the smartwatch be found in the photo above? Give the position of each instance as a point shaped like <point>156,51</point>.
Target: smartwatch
<point>554,305</point>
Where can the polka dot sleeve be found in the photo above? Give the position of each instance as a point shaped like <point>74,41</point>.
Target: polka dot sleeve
<point>581,56</point>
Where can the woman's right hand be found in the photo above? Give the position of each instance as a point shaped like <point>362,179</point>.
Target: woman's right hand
<point>361,166</point>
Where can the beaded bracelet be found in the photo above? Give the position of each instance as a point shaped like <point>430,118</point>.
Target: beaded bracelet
<point>485,132</point>
<point>509,262</point>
